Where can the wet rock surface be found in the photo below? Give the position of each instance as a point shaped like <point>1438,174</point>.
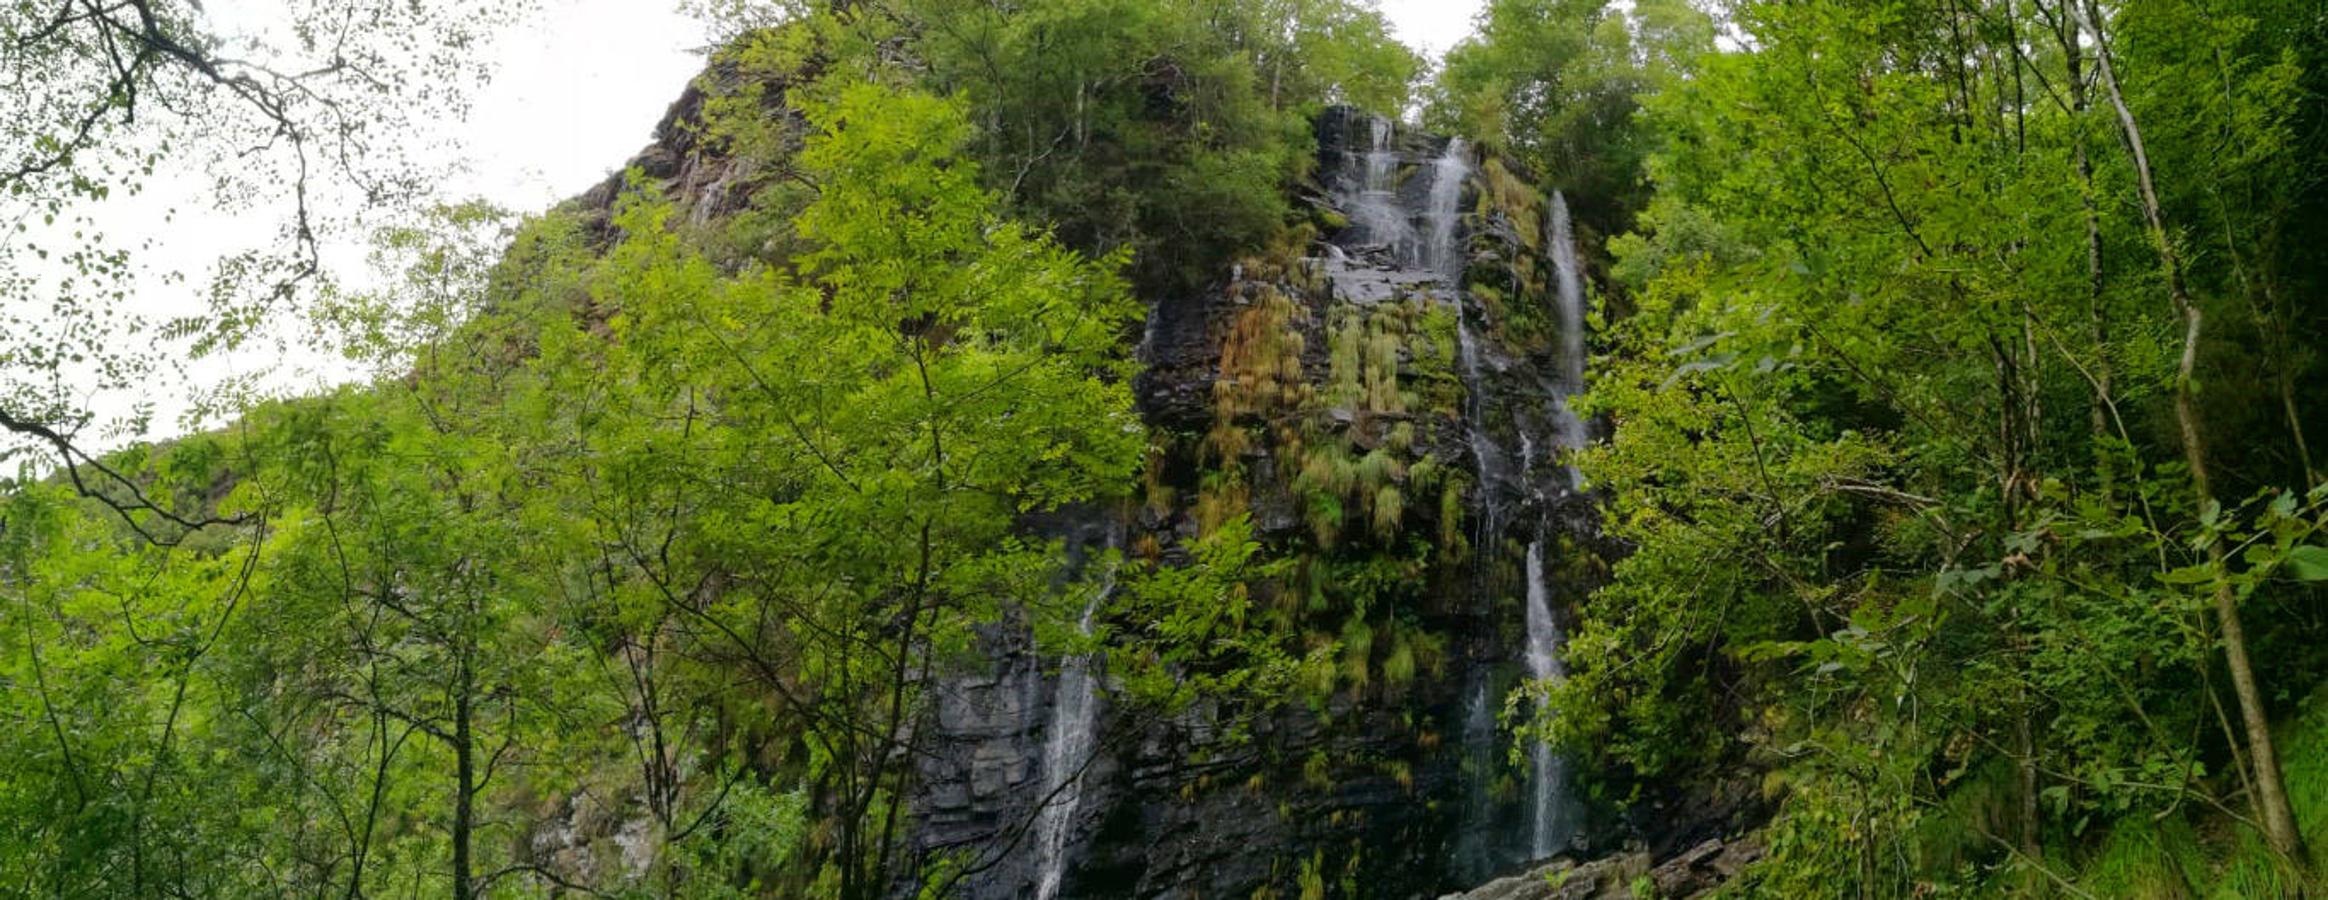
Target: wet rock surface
<point>1405,792</point>
<point>1695,872</point>
<point>1396,792</point>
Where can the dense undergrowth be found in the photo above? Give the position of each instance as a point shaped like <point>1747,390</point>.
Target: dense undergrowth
<point>1955,369</point>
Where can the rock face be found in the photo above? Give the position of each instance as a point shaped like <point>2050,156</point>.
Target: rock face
<point>1692,873</point>
<point>1413,328</point>
<point>1434,258</point>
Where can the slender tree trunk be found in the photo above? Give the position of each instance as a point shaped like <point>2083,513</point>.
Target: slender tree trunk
<point>2024,735</point>
<point>2017,420</point>
<point>2074,60</point>
<point>2271,795</point>
<point>465,774</point>
<point>2101,320</point>
<point>2287,392</point>
<point>2094,307</point>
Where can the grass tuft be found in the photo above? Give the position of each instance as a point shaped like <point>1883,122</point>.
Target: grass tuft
<point>2146,860</point>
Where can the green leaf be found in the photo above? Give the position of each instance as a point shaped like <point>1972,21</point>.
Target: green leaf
<point>2188,575</point>
<point>2308,563</point>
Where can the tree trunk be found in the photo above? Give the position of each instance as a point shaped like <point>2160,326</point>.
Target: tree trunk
<point>2271,795</point>
<point>2287,392</point>
<point>2032,822</point>
<point>2073,60</point>
<point>465,774</point>
<point>2017,424</point>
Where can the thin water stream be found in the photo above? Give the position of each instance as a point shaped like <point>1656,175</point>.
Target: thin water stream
<point>1067,752</point>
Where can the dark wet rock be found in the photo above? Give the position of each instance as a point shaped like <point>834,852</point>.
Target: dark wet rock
<point>1405,792</point>
<point>1365,787</point>
<point>690,167</point>
<point>1695,872</point>
<point>1181,354</point>
<point>1390,789</point>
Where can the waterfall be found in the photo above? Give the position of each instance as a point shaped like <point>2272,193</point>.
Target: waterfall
<point>1528,463</point>
<point>1550,823</point>
<point>1074,719</point>
<point>1397,246</point>
<point>1487,460</point>
<point>1549,826</point>
<point>1442,257</point>
<point>1568,303</point>
<point>1372,200</point>
<point>1445,213</point>
<point>1477,845</point>
<point>1487,843</point>
<point>1145,351</point>
<point>1569,294</point>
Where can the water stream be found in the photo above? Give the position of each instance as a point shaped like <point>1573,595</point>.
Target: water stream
<point>1445,214</point>
<point>1551,825</point>
<point>1414,241</point>
<point>1548,820</point>
<point>1568,304</point>
<point>1373,205</point>
<point>1073,734</point>
<point>1487,459</point>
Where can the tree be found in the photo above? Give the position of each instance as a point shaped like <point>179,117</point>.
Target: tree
<point>1898,426</point>
<point>2271,791</point>
<point>851,452</point>
<point>1169,129</point>
<point>433,648</point>
<point>1556,83</point>
<point>298,113</point>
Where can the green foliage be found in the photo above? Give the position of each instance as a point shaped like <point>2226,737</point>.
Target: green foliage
<point>1555,83</point>
<point>1170,129</point>
<point>2142,859</point>
<point>943,334</point>
<point>1907,485</point>
<point>628,527</point>
<point>1209,639</point>
<point>637,560</point>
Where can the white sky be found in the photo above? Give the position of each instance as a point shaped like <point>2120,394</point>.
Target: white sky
<point>1430,26</point>
<point>576,92</point>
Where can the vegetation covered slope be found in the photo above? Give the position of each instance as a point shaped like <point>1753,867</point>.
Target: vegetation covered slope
<point>1957,361</point>
<point>1963,436</point>
<point>632,569</point>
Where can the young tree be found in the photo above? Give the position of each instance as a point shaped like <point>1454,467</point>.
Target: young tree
<point>298,112</point>
<point>1876,287</point>
<point>2271,791</point>
<point>853,451</point>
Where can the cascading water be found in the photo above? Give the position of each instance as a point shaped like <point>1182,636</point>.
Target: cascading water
<point>1548,821</point>
<point>1074,720</point>
<point>1445,213</point>
<point>1568,303</point>
<point>1372,201</point>
<point>1395,249</point>
<point>1487,459</point>
<point>1441,256</point>
<point>1481,847</point>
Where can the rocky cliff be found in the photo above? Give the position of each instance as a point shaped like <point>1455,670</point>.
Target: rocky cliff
<point>1383,393</point>
<point>1414,327</point>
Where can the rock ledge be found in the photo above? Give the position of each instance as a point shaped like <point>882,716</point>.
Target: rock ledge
<point>1692,873</point>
